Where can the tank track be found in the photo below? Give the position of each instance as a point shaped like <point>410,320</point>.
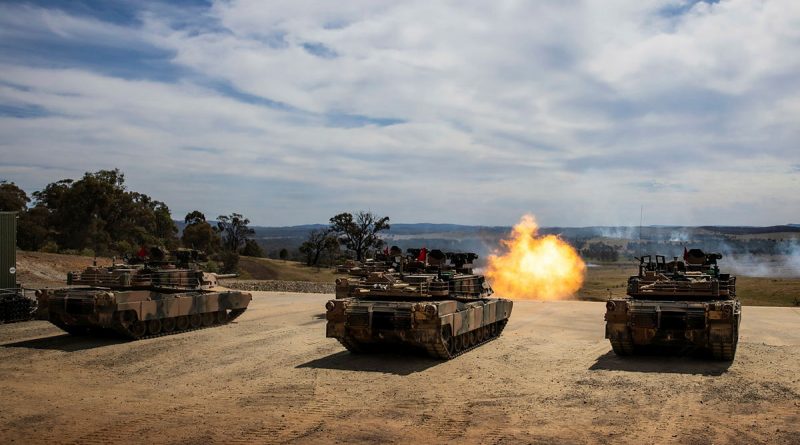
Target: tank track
<point>352,345</point>
<point>723,351</point>
<point>132,335</point>
<point>458,345</point>
<point>446,349</point>
<point>622,347</point>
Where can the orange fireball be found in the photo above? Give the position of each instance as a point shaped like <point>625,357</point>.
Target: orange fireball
<point>535,267</point>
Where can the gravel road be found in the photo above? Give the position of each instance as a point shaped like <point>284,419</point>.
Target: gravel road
<point>273,377</point>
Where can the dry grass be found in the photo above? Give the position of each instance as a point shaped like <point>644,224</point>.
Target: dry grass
<point>269,269</point>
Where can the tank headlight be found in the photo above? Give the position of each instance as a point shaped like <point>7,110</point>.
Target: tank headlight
<point>430,310</point>
<point>330,305</point>
<point>611,306</point>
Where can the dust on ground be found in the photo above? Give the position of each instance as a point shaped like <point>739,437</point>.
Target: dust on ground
<point>273,377</point>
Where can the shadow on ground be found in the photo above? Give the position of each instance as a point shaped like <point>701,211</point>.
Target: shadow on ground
<point>68,343</point>
<point>396,362</point>
<point>663,362</point>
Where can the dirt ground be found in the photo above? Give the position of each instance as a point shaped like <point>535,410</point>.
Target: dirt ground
<point>273,377</point>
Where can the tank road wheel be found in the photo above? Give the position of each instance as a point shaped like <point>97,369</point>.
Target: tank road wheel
<point>138,329</point>
<point>208,319</point>
<point>182,323</point>
<point>168,324</point>
<point>154,327</point>
<point>448,340</point>
<point>195,321</point>
<point>461,342</point>
<point>222,317</point>
<point>473,338</point>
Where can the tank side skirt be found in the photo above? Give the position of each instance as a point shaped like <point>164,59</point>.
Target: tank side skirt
<point>169,306</point>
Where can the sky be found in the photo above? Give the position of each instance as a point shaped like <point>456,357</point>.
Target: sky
<point>469,112</point>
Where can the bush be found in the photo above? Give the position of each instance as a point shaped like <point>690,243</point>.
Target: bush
<point>49,247</point>
<point>123,248</point>
<point>212,266</point>
<point>251,248</point>
<point>87,252</point>
<point>230,261</point>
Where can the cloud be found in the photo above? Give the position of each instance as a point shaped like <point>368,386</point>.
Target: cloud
<point>474,113</point>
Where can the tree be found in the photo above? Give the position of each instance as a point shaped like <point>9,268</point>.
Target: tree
<point>12,198</point>
<point>283,254</point>
<point>32,228</point>
<point>98,213</point>
<point>251,248</point>
<point>230,261</point>
<point>601,251</point>
<point>319,240</point>
<point>194,217</point>
<point>198,233</point>
<point>359,233</point>
<point>234,231</point>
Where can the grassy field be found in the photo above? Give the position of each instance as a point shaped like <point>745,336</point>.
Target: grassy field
<point>268,269</point>
<point>606,280</point>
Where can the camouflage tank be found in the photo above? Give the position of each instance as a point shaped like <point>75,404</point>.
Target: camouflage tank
<point>443,309</point>
<point>156,296</point>
<point>685,303</point>
<point>14,304</point>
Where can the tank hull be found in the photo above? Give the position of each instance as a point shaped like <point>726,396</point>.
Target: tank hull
<point>709,325</point>
<point>138,313</point>
<point>442,328</point>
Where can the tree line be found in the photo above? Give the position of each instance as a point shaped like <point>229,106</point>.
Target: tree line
<point>98,215</point>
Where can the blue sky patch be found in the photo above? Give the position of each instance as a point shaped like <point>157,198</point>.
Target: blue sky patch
<point>319,50</point>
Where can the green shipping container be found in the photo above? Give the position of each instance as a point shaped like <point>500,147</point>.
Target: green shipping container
<point>8,250</point>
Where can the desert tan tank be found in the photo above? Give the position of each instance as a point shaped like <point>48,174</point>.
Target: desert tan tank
<point>682,304</point>
<point>139,300</point>
<point>444,309</point>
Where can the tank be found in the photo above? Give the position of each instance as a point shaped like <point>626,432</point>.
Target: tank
<point>14,303</point>
<point>680,304</point>
<point>148,296</point>
<point>432,302</point>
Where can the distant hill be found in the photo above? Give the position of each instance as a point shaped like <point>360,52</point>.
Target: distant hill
<point>484,239</point>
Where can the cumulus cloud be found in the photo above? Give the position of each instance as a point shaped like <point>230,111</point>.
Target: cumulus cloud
<point>467,112</point>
